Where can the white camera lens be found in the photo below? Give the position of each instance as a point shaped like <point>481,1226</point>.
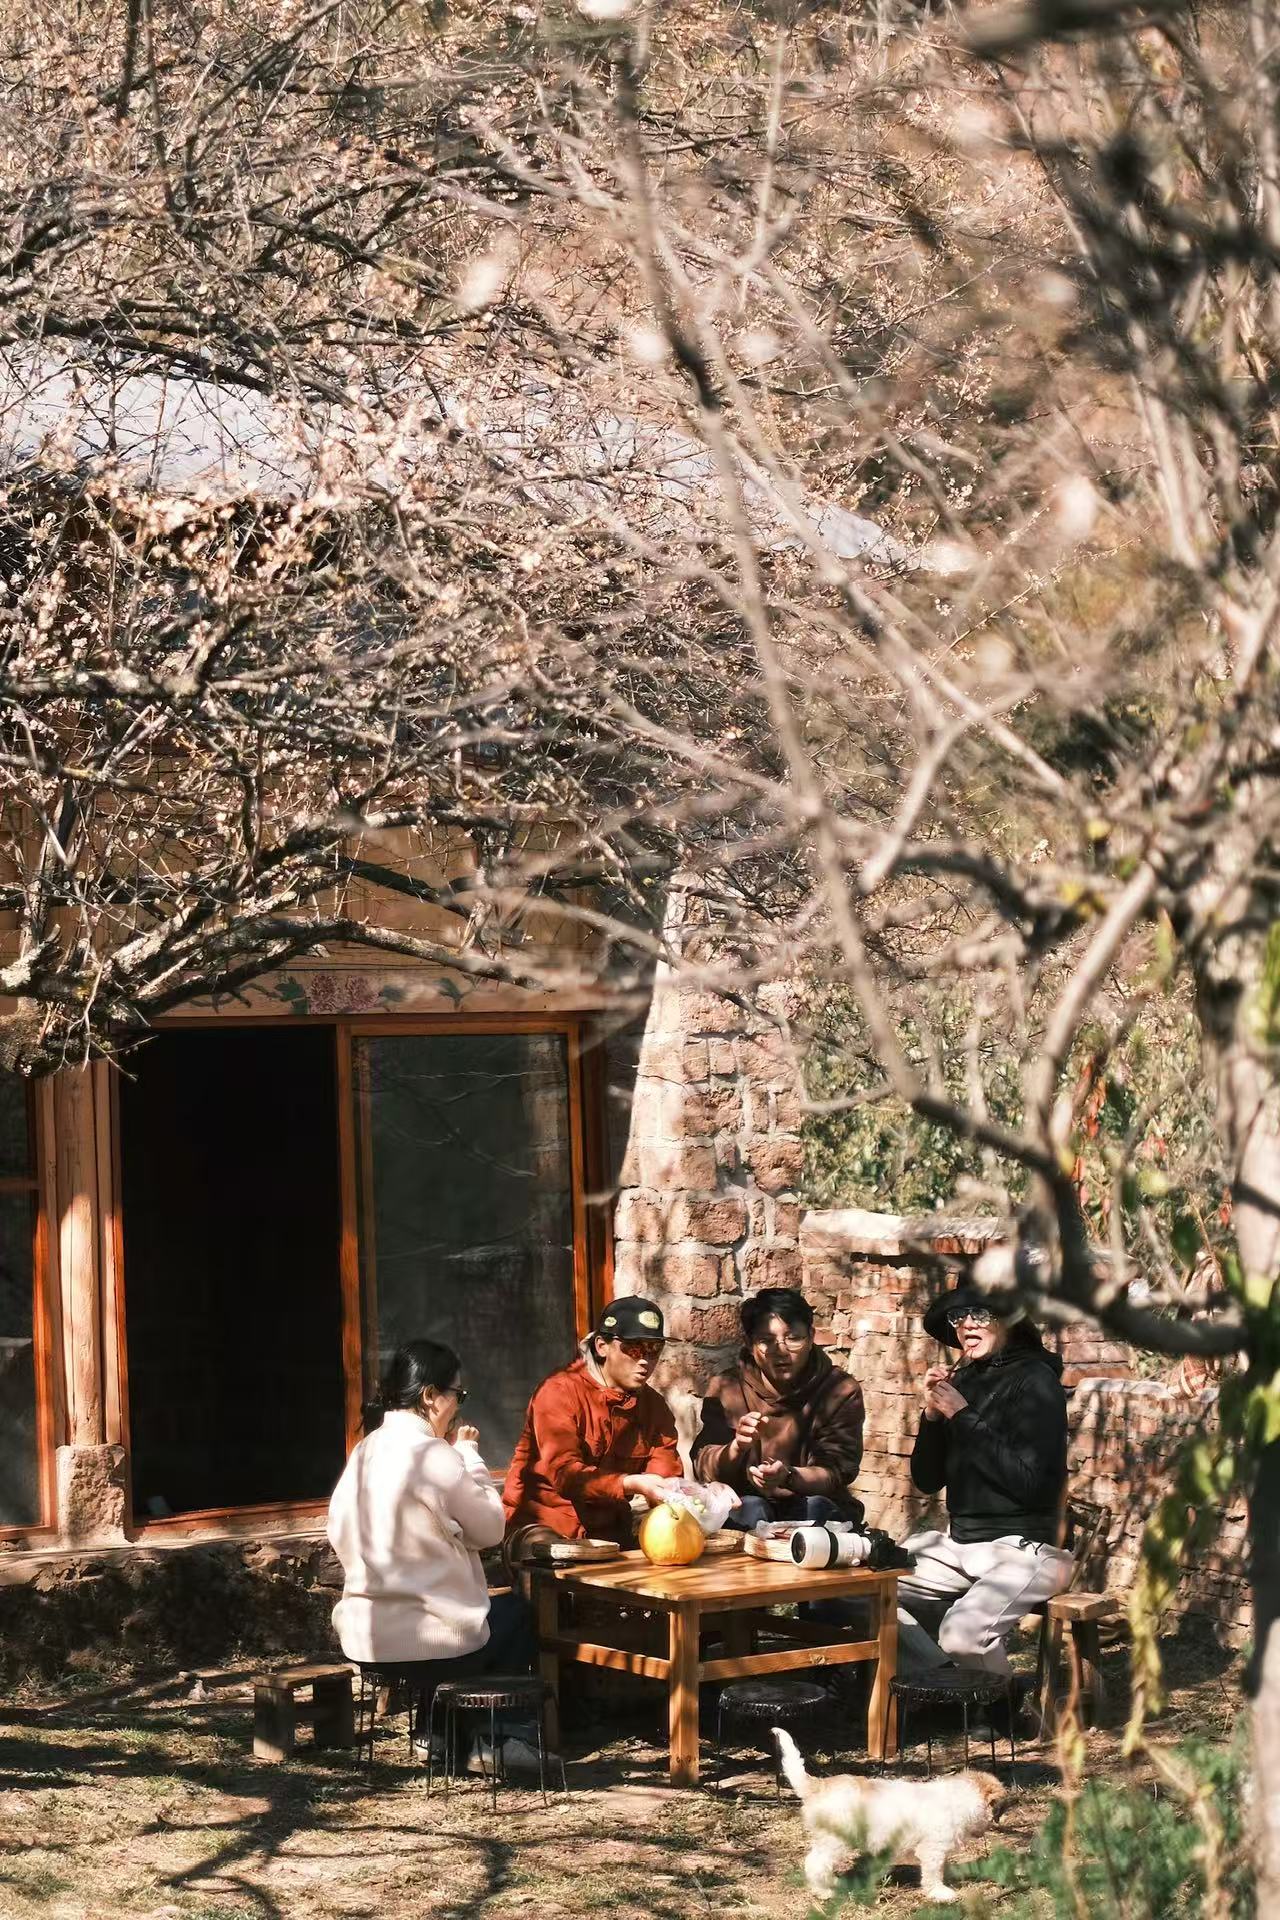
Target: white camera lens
<point>824,1547</point>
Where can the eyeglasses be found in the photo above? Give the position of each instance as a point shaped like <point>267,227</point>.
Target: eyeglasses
<point>976,1316</point>
<point>794,1337</point>
<point>459,1394</point>
<point>641,1349</point>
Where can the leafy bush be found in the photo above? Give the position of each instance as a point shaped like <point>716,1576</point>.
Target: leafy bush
<point>874,1152</point>
<point>1137,1853</point>
<point>1148,1160</point>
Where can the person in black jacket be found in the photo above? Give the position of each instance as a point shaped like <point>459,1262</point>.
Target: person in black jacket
<point>994,1434</point>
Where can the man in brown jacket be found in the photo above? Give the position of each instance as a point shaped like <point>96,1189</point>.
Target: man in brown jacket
<point>783,1427</point>
<point>595,1435</point>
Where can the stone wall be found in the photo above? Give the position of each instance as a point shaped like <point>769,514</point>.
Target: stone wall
<point>1124,1434</point>
<point>68,1617</point>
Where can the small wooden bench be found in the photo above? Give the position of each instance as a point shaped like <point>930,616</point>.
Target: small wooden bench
<point>1070,1623</point>
<point>1083,1613</point>
<point>277,1709</point>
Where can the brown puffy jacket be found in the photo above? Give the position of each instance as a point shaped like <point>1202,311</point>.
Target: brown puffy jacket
<point>814,1425</point>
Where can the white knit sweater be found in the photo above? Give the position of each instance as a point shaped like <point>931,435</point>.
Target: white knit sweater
<point>407,1520</point>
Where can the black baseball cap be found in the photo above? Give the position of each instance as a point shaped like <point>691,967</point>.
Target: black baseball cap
<point>631,1317</point>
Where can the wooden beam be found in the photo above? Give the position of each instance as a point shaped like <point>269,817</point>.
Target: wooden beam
<point>349,1242</point>
<point>79,1243</point>
<point>738,1667</point>
<point>588,1653</point>
<point>589,1054</point>
<point>52,1369</point>
<point>583,1305</point>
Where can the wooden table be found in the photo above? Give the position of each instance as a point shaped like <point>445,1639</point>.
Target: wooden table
<point>733,1588</point>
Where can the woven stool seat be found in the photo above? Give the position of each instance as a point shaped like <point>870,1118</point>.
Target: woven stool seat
<point>945,1689</point>
<point>495,1694</point>
<point>499,1691</point>
<point>771,1699</point>
<point>767,1703</point>
<point>962,1687</point>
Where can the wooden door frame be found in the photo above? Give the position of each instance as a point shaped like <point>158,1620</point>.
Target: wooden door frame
<point>46,1319</point>
<point>592,1238</point>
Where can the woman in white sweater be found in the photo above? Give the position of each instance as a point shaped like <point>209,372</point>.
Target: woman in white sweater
<point>409,1518</point>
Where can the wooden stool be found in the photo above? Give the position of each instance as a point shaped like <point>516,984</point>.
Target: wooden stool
<point>276,1710</point>
<point>1083,1613</point>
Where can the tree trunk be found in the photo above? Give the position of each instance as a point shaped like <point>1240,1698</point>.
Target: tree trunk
<point>1233,1003</point>
<point>1263,1680</point>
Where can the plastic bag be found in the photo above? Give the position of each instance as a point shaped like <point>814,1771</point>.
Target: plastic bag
<point>710,1505</point>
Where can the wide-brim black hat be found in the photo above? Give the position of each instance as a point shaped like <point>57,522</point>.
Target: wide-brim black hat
<point>964,1295</point>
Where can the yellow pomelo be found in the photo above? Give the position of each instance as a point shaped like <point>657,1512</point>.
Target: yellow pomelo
<point>670,1538</point>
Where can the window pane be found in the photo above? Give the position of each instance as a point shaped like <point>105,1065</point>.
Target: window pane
<point>19,1480</point>
<point>15,1146</point>
<point>467,1212</point>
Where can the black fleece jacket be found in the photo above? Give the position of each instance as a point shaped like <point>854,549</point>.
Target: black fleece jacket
<point>1003,1458</point>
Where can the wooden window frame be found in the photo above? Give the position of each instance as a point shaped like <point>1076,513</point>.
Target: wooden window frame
<point>592,1236</point>
<point>37,1184</point>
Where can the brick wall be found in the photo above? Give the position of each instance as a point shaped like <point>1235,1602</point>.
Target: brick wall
<point>708,1163</point>
<point>869,1294</point>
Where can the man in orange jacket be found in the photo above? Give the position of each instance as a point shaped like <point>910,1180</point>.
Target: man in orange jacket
<point>595,1434</point>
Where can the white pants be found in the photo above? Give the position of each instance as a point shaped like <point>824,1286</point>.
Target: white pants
<point>972,1597</point>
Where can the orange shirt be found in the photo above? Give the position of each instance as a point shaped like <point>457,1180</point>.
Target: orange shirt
<point>579,1441</point>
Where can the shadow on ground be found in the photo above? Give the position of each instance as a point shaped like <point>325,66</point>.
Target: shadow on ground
<point>205,1824</point>
<point>150,1805</point>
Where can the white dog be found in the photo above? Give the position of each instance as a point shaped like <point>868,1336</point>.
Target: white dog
<point>924,1818</point>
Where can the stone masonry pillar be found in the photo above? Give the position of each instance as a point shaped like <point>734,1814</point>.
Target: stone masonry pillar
<point>707,1210</point>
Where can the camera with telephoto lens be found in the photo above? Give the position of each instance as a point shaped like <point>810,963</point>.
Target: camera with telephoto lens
<point>825,1547</point>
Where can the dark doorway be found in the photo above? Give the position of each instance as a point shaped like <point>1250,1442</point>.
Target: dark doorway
<point>233,1305</point>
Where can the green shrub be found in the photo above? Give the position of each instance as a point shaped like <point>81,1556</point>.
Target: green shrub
<point>1138,1853</point>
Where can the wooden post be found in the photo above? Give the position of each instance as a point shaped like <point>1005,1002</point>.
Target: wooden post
<point>109,1248</point>
<point>1051,1685</point>
<point>79,1243</point>
<point>546,1601</point>
<point>683,1698</point>
<point>333,1715</point>
<point>274,1722</point>
<point>882,1709</point>
<point>1086,1665</point>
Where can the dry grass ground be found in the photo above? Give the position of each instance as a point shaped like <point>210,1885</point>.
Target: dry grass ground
<point>150,1804</point>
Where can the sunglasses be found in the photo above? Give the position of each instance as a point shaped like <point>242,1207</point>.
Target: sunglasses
<point>459,1394</point>
<point>641,1349</point>
<point>976,1316</point>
